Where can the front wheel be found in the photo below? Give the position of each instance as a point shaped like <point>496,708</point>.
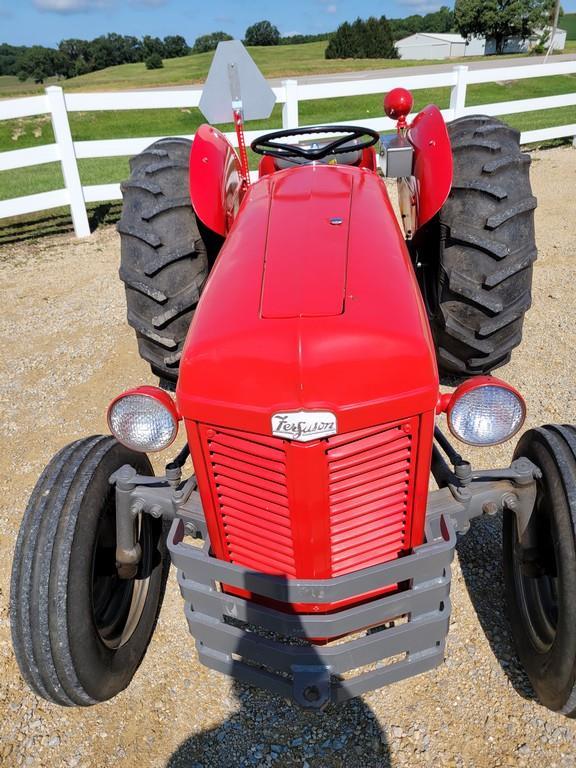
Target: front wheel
<point>540,582</point>
<point>79,631</point>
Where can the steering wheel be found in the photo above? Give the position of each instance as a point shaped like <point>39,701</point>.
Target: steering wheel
<point>269,144</point>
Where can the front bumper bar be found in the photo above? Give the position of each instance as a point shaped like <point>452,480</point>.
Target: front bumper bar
<point>268,648</point>
<point>398,635</point>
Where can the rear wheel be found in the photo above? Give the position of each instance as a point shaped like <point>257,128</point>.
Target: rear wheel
<point>475,257</point>
<point>165,254</point>
<point>540,582</point>
<point>79,631</point>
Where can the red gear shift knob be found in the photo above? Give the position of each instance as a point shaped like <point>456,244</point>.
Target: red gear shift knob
<point>398,103</point>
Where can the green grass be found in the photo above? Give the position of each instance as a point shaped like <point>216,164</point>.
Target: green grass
<point>568,22</point>
<point>10,86</point>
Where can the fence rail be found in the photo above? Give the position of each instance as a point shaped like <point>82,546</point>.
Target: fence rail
<point>58,104</point>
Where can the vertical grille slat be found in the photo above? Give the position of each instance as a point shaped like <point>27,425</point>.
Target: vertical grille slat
<point>369,481</point>
<point>249,474</point>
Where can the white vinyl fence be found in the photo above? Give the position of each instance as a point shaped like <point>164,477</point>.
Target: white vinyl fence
<point>58,104</point>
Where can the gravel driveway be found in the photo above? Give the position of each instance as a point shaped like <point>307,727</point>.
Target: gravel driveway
<point>66,350</point>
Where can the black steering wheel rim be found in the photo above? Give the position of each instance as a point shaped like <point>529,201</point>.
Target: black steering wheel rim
<point>268,144</point>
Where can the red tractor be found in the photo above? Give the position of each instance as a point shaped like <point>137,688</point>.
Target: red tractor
<point>306,336</point>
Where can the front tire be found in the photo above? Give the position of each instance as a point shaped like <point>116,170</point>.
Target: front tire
<point>79,632</point>
<point>540,584</point>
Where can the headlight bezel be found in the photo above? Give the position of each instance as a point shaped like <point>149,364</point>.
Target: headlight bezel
<point>478,384</point>
<point>162,399</point>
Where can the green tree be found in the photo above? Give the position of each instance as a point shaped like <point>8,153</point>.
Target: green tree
<point>76,55</point>
<point>299,39</point>
<point>370,39</point>
<point>154,61</point>
<point>262,33</point>
<point>209,42</point>
<point>501,19</point>
<point>342,44</point>
<point>38,63</point>
<point>175,46</point>
<point>440,21</point>
<point>11,58</point>
<point>152,45</point>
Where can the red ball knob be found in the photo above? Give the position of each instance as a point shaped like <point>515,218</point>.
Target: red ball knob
<point>398,103</point>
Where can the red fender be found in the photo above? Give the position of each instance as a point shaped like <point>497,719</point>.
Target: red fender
<point>432,162</point>
<point>216,187</point>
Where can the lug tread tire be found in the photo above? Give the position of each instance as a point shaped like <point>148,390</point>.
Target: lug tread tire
<point>483,242</point>
<point>552,673</point>
<point>40,585</point>
<point>164,253</point>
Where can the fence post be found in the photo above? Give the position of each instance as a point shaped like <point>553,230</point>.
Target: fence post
<point>458,93</point>
<point>63,137</point>
<point>290,108</point>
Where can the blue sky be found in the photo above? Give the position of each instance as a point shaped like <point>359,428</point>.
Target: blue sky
<point>46,22</point>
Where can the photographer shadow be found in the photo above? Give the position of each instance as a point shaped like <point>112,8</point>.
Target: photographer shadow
<point>269,730</point>
<point>480,557</point>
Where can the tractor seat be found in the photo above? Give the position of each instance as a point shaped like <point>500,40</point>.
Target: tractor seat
<point>352,157</point>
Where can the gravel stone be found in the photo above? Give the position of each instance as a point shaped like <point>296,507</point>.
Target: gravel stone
<point>67,351</point>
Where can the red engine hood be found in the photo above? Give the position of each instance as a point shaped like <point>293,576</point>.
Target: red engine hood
<point>312,304</point>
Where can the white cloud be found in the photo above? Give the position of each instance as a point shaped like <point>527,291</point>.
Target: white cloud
<point>70,6</point>
<point>331,9</point>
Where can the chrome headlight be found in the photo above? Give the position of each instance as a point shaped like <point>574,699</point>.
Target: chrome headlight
<point>485,412</point>
<point>144,419</point>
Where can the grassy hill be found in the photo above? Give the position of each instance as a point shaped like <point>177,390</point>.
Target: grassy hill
<point>273,61</point>
<point>568,22</point>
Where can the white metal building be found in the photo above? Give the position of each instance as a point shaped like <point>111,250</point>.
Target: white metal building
<point>433,45</point>
<point>516,45</point>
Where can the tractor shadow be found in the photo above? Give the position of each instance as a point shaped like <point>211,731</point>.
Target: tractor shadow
<point>480,557</point>
<point>269,730</point>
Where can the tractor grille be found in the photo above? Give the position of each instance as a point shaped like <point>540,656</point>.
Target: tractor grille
<point>249,472</point>
<point>361,482</point>
<point>369,480</point>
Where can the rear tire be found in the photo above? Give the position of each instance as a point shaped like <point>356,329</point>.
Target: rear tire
<point>79,632</point>
<point>164,254</point>
<point>476,255</point>
<point>541,585</point>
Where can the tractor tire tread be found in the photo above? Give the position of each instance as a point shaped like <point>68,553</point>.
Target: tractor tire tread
<point>481,248</point>
<point>164,256</point>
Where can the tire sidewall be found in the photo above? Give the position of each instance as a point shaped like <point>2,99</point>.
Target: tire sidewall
<point>553,673</point>
<point>102,671</point>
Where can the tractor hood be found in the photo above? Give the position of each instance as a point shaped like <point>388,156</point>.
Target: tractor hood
<point>311,305</point>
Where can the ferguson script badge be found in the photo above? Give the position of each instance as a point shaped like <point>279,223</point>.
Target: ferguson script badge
<point>304,426</point>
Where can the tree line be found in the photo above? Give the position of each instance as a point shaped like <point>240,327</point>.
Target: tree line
<point>78,57</point>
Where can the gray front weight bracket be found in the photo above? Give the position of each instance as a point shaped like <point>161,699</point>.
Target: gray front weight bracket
<point>260,640</point>
<point>141,494</point>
